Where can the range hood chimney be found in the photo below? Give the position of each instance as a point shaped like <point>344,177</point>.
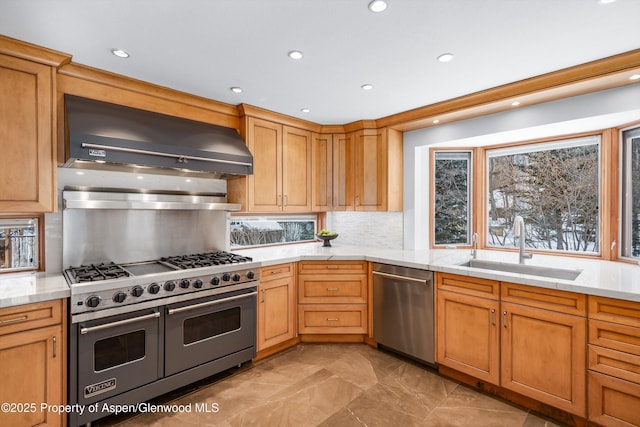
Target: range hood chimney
<point>100,135</point>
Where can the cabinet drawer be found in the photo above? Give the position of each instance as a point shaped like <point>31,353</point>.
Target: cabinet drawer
<point>30,316</point>
<point>468,285</point>
<point>615,336</point>
<point>332,267</point>
<point>615,310</point>
<point>613,402</point>
<point>279,271</point>
<point>332,319</point>
<point>615,363</point>
<point>332,289</point>
<point>548,299</point>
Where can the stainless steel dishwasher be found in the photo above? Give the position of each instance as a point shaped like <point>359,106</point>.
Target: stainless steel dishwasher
<point>403,314</point>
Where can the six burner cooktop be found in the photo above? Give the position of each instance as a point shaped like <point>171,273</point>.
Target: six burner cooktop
<point>111,270</point>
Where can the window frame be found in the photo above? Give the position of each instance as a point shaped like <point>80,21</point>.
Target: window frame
<point>471,191</point>
<point>559,142</point>
<point>624,178</point>
<point>39,264</point>
<point>316,218</point>
<point>609,182</point>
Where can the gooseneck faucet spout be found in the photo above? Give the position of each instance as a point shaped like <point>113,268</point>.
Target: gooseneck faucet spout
<point>518,229</point>
<point>474,240</point>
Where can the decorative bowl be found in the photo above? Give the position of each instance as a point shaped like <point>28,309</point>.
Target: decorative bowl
<point>326,239</point>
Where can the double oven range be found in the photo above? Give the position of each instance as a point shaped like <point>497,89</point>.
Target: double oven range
<point>142,329</point>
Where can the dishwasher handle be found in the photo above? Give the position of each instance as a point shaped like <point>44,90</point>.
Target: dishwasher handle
<point>403,278</point>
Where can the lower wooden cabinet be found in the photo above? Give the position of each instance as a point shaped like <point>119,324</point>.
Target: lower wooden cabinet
<point>614,362</point>
<point>468,336</point>
<point>32,361</point>
<point>543,356</point>
<point>276,305</point>
<point>332,297</point>
<point>525,339</point>
<point>332,319</point>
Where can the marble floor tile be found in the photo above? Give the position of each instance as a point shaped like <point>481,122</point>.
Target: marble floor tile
<point>333,385</point>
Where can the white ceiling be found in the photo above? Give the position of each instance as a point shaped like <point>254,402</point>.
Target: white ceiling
<point>204,47</point>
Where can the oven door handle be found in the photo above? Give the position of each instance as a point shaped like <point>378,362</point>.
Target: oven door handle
<point>84,331</point>
<point>209,303</point>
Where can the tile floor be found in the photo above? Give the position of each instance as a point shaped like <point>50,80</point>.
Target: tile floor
<point>333,385</point>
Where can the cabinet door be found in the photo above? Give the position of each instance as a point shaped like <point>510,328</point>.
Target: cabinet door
<point>296,173</point>
<point>264,140</point>
<point>468,335</point>
<point>31,372</point>
<point>371,170</point>
<point>276,312</point>
<point>343,172</point>
<point>322,172</point>
<point>27,154</point>
<point>543,356</point>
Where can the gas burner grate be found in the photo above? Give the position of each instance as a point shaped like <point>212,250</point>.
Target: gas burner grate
<point>95,272</point>
<point>207,259</point>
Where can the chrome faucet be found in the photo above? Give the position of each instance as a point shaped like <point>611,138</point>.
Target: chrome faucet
<point>474,240</point>
<point>518,228</point>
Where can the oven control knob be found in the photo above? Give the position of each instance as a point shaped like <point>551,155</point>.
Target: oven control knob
<point>226,277</point>
<point>235,277</point>
<point>184,283</point>
<point>137,291</point>
<point>93,301</point>
<point>251,275</point>
<point>215,281</point>
<point>153,288</point>
<point>169,286</point>
<point>197,283</point>
<point>119,297</point>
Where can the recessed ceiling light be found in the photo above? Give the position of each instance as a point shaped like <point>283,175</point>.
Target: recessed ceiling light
<point>635,77</point>
<point>445,57</point>
<point>236,89</point>
<point>436,121</point>
<point>378,6</point>
<point>140,177</point>
<point>79,173</point>
<point>515,103</point>
<point>367,86</point>
<point>605,1</point>
<point>120,53</point>
<point>295,54</point>
<point>305,110</point>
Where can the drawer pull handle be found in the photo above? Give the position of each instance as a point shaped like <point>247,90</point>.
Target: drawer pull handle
<point>333,289</point>
<point>276,271</point>
<point>16,320</point>
<point>332,319</point>
<point>332,267</point>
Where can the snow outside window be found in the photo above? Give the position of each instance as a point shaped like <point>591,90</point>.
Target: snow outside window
<point>271,230</point>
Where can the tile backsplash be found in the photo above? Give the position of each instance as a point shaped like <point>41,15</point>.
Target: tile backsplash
<point>381,229</point>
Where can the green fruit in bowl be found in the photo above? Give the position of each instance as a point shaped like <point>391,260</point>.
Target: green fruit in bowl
<point>324,232</point>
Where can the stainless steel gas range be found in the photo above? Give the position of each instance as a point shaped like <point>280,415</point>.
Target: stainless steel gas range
<point>142,329</point>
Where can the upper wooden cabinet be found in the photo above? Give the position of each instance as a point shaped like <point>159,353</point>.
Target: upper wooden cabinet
<point>27,156</point>
<point>281,180</point>
<point>359,171</point>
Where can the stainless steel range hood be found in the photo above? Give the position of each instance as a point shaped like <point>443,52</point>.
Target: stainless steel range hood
<point>100,135</point>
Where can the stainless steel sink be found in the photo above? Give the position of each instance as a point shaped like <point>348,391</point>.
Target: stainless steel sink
<point>534,270</point>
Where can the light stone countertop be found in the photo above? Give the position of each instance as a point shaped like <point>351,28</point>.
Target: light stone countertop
<point>604,278</point>
<point>30,287</point>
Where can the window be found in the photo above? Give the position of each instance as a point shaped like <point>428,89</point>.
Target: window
<point>260,231</point>
<point>18,244</point>
<point>554,186</point>
<point>452,198</point>
<point>630,233</point>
